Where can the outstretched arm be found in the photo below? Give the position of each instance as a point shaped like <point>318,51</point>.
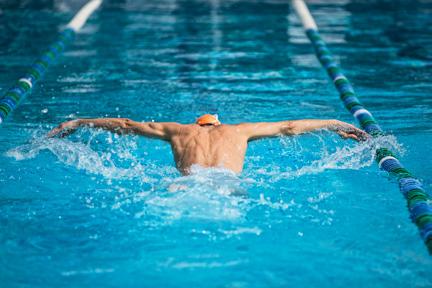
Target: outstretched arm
<point>161,130</point>
<point>254,131</point>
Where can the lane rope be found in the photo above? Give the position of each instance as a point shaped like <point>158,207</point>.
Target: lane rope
<point>23,87</point>
<point>418,201</point>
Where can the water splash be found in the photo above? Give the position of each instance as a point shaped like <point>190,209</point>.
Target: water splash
<point>209,194</point>
<point>345,157</point>
<point>83,157</point>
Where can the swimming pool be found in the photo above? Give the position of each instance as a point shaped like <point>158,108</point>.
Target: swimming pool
<point>95,209</point>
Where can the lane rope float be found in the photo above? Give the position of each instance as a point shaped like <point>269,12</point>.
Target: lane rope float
<point>23,87</point>
<point>418,201</point>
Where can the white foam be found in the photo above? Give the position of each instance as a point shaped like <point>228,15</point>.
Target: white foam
<point>347,157</point>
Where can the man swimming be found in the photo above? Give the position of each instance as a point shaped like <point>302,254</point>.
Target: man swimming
<point>207,142</point>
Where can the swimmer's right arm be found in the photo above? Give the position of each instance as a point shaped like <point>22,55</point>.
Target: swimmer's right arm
<point>260,130</point>
<point>161,130</point>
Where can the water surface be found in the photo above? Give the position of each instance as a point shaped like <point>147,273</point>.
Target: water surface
<point>96,209</point>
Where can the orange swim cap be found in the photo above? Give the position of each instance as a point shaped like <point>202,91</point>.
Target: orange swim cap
<point>208,119</point>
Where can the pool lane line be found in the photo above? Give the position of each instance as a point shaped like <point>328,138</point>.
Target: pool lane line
<point>418,200</point>
<point>23,87</point>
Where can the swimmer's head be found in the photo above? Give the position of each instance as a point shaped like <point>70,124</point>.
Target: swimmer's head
<point>208,119</point>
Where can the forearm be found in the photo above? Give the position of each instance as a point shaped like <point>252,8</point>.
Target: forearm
<point>308,125</point>
<point>116,125</point>
<point>127,126</point>
<point>260,130</point>
<point>343,129</point>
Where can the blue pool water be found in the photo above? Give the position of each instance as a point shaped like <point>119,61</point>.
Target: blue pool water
<point>96,209</point>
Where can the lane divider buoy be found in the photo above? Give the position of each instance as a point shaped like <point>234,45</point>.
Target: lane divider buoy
<point>23,87</point>
<point>418,201</point>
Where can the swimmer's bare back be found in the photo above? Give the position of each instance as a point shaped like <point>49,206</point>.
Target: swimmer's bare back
<point>210,145</point>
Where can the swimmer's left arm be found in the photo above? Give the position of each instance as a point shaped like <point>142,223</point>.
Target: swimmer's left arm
<point>161,130</point>
<point>255,131</point>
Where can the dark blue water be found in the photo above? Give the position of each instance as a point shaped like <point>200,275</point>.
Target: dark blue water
<point>98,210</point>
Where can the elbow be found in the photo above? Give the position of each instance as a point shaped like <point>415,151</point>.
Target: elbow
<point>289,128</point>
<point>152,125</point>
<point>125,123</point>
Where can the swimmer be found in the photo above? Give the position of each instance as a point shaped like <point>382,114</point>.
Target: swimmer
<point>207,142</point>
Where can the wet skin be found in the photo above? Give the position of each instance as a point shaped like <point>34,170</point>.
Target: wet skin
<point>210,145</point>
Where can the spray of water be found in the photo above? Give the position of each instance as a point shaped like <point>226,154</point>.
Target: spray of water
<point>82,156</point>
<point>215,193</point>
<point>352,157</point>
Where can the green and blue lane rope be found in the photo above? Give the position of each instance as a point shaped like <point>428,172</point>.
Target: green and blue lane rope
<point>418,200</point>
<point>24,86</point>
<point>34,73</point>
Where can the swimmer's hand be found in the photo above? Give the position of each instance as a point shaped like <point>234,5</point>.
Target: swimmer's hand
<point>65,129</point>
<point>348,131</point>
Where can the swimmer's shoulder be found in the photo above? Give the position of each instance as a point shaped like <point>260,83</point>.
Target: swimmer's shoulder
<point>184,129</point>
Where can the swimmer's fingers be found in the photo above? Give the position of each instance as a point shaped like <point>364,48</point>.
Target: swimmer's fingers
<point>356,134</point>
<point>360,134</point>
<point>63,129</point>
<point>53,132</point>
<point>350,131</point>
<point>66,132</point>
<point>346,135</point>
<point>58,131</point>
